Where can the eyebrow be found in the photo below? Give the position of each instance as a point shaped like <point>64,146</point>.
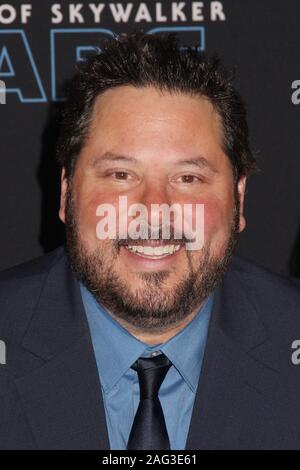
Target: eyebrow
<point>112,157</point>
<point>199,161</point>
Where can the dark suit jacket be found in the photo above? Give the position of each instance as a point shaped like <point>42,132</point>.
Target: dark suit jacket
<point>50,397</point>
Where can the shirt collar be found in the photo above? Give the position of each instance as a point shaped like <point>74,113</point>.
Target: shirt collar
<point>186,349</point>
<point>116,349</point>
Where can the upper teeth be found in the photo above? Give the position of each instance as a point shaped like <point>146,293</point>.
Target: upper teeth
<point>156,251</point>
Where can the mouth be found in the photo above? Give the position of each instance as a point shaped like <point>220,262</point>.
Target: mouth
<point>153,252</point>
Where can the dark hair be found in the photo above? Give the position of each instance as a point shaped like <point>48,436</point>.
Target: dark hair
<point>142,60</point>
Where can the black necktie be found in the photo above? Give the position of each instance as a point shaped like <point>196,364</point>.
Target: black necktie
<point>149,430</point>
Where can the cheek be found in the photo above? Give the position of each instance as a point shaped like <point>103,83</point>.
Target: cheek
<point>217,218</point>
<point>88,203</point>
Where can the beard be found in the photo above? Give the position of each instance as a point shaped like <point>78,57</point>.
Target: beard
<point>154,307</point>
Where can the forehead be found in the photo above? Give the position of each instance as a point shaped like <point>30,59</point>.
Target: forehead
<point>145,120</point>
<point>129,105</point>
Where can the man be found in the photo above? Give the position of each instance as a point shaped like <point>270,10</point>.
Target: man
<point>135,341</point>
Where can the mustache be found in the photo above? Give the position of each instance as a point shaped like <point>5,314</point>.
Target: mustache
<point>156,235</point>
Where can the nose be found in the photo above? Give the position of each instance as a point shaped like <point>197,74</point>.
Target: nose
<point>156,195</point>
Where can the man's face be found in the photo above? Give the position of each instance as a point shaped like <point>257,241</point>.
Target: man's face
<point>170,149</point>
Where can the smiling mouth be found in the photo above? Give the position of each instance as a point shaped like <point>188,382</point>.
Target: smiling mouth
<point>154,252</point>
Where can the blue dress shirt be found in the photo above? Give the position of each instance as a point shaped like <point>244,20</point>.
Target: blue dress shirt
<point>116,350</point>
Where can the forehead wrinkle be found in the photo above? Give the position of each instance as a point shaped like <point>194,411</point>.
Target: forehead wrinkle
<point>112,157</point>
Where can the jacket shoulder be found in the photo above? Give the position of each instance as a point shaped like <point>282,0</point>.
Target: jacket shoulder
<point>275,296</point>
<point>20,288</point>
<point>248,269</point>
<point>34,267</point>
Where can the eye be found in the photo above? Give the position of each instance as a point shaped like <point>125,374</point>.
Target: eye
<point>189,178</point>
<point>120,175</point>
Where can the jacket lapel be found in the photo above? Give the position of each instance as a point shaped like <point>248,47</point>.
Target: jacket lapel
<point>62,398</point>
<point>237,377</point>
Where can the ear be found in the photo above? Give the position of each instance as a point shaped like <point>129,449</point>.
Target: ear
<point>241,187</point>
<point>63,193</point>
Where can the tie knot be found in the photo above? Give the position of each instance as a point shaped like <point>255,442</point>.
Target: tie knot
<point>151,373</point>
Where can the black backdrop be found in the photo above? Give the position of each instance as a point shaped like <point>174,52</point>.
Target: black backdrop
<point>39,46</point>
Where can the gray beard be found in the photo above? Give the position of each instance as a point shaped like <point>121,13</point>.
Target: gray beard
<point>151,308</point>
